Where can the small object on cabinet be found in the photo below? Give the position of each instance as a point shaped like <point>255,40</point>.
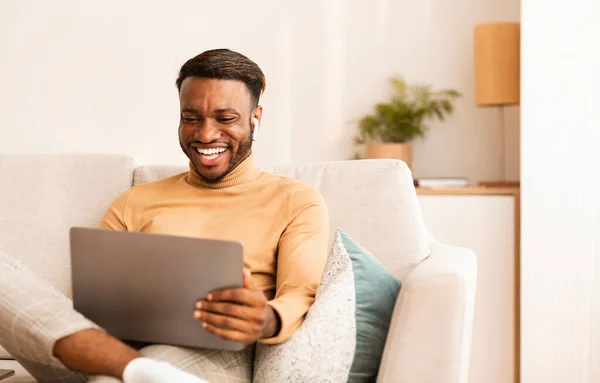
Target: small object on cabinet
<point>4,374</point>
<point>441,182</point>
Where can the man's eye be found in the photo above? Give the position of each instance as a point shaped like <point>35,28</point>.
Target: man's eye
<point>226,120</point>
<point>189,120</point>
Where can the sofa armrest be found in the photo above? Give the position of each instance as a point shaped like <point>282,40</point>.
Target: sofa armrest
<point>429,340</point>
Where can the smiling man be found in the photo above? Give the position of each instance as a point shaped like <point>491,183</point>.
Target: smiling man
<point>282,223</point>
<point>230,115</point>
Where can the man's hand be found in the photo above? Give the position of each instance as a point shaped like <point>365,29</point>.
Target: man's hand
<point>241,314</point>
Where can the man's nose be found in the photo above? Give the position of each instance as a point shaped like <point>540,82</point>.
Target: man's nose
<point>207,133</point>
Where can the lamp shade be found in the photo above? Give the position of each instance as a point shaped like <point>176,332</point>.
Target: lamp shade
<point>497,64</point>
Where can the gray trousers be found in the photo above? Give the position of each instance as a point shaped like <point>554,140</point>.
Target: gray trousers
<point>34,316</point>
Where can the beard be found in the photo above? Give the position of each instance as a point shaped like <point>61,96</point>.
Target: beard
<point>237,157</point>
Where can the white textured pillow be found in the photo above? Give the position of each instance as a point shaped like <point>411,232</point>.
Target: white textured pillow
<point>322,349</point>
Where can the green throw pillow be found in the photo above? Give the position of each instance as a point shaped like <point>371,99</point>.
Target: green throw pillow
<point>376,293</point>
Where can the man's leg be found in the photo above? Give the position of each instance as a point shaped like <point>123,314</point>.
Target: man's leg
<point>39,327</point>
<point>212,365</point>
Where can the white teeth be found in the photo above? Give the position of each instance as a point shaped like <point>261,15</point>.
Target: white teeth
<point>208,152</point>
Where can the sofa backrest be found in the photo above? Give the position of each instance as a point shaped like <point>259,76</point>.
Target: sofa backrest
<point>42,196</point>
<point>374,201</point>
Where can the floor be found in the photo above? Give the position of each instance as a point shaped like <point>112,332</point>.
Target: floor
<point>21,376</point>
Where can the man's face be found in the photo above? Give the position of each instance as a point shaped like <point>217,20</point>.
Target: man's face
<point>214,127</point>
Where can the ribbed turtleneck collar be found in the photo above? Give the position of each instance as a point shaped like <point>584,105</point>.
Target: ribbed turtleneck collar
<point>243,173</point>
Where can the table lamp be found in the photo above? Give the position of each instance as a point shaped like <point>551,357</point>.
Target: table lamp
<point>497,54</point>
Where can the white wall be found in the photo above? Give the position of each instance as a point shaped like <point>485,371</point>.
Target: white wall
<point>560,298</point>
<point>98,76</point>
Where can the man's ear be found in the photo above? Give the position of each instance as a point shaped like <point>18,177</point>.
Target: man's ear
<point>257,113</point>
<point>256,118</point>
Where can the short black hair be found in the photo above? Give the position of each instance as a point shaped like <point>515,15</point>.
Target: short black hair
<point>225,64</point>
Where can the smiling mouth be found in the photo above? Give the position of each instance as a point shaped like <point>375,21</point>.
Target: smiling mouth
<point>212,153</point>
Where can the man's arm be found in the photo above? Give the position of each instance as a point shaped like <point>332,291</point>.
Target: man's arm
<point>302,254</point>
<point>244,314</point>
<point>114,218</point>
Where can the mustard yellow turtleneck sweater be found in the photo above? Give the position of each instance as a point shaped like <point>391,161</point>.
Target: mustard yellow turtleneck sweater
<point>282,223</point>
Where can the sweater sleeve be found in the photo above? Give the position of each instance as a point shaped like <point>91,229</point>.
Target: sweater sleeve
<point>114,218</point>
<point>301,258</point>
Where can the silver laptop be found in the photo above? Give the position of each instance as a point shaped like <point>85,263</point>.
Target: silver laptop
<point>143,287</point>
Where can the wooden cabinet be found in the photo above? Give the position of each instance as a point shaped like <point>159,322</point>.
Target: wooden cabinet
<point>485,220</point>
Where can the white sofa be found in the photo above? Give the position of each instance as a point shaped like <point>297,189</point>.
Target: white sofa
<point>374,201</point>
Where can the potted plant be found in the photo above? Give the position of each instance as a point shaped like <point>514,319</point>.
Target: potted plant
<point>391,127</point>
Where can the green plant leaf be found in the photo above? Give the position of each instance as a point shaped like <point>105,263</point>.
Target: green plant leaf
<point>402,118</point>
<point>400,89</point>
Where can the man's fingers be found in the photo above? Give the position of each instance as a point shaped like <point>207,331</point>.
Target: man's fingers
<point>228,323</point>
<point>248,283</point>
<point>241,296</point>
<point>237,295</point>
<point>226,334</point>
<point>247,279</point>
<point>230,309</point>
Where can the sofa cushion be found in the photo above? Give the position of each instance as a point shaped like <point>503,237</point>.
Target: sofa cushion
<point>324,344</point>
<point>373,200</point>
<point>42,196</point>
<point>345,330</point>
<point>376,293</point>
